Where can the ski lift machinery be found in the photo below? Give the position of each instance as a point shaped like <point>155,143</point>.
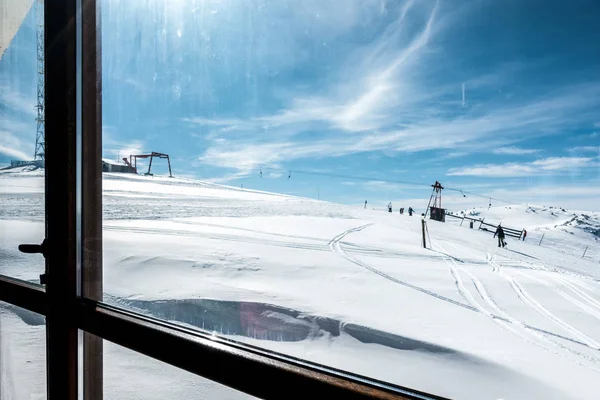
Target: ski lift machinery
<point>132,162</point>
<point>436,212</point>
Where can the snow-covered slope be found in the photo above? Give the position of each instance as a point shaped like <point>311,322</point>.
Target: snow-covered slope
<point>540,218</point>
<point>345,286</point>
<point>574,232</point>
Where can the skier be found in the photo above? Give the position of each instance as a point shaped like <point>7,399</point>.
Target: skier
<point>390,207</point>
<point>410,211</point>
<point>524,234</point>
<point>365,204</point>
<point>401,210</point>
<point>500,233</point>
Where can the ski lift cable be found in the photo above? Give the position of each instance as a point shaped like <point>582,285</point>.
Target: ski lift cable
<point>482,196</point>
<point>364,178</point>
<point>361,178</point>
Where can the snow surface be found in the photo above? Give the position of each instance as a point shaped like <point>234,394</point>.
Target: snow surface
<point>356,290</point>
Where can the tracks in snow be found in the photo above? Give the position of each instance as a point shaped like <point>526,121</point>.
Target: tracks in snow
<point>503,319</point>
<point>336,246</point>
<point>539,337</point>
<point>544,335</point>
<point>264,238</point>
<point>592,308</point>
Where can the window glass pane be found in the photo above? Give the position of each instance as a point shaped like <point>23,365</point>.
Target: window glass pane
<point>22,354</point>
<point>268,166</point>
<point>130,375</point>
<point>21,137</point>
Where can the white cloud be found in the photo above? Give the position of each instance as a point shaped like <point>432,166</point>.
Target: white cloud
<point>455,154</point>
<point>561,163</point>
<point>17,101</point>
<point>213,121</point>
<point>585,149</point>
<point>514,151</point>
<point>123,149</point>
<point>12,146</point>
<point>493,170</point>
<point>538,167</point>
<point>492,128</point>
<point>381,100</point>
<point>366,93</point>
<point>15,153</point>
<point>113,147</point>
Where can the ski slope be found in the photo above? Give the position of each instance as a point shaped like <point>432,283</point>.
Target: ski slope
<point>344,286</point>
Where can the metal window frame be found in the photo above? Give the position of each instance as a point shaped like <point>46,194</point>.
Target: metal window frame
<point>72,299</point>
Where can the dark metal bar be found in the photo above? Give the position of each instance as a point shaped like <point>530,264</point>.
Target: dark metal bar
<point>244,368</point>
<point>61,223</point>
<point>23,294</point>
<point>91,189</point>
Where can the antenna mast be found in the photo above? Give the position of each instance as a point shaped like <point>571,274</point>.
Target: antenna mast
<point>40,137</point>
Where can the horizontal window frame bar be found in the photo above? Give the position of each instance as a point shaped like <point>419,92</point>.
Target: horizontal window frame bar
<point>228,363</point>
<point>217,359</point>
<point>26,295</point>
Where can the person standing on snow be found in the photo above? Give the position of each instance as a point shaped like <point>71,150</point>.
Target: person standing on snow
<point>365,204</point>
<point>410,211</point>
<point>390,207</point>
<point>500,233</point>
<point>524,234</point>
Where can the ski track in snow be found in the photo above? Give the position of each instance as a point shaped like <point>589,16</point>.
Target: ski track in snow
<point>217,236</point>
<point>592,307</point>
<point>538,334</point>
<point>335,245</point>
<point>595,304</point>
<point>503,320</point>
<point>526,299</point>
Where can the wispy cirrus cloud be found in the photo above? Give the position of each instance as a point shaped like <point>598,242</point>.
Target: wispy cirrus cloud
<point>515,151</point>
<point>17,101</point>
<point>124,149</point>
<point>14,147</point>
<point>542,166</point>
<point>213,121</point>
<point>381,99</point>
<point>17,123</point>
<point>585,149</point>
<point>113,148</point>
<point>462,134</point>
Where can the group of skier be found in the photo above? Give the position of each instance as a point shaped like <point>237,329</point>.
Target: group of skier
<point>499,231</point>
<point>410,209</point>
<point>389,208</point>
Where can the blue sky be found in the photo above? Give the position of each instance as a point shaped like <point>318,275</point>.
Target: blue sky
<point>365,89</point>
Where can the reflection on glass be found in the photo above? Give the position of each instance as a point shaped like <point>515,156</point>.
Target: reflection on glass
<point>306,142</point>
<point>22,354</point>
<point>130,375</point>
<point>21,136</point>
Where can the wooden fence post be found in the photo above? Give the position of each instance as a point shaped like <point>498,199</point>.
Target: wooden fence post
<point>423,229</point>
<point>481,223</point>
